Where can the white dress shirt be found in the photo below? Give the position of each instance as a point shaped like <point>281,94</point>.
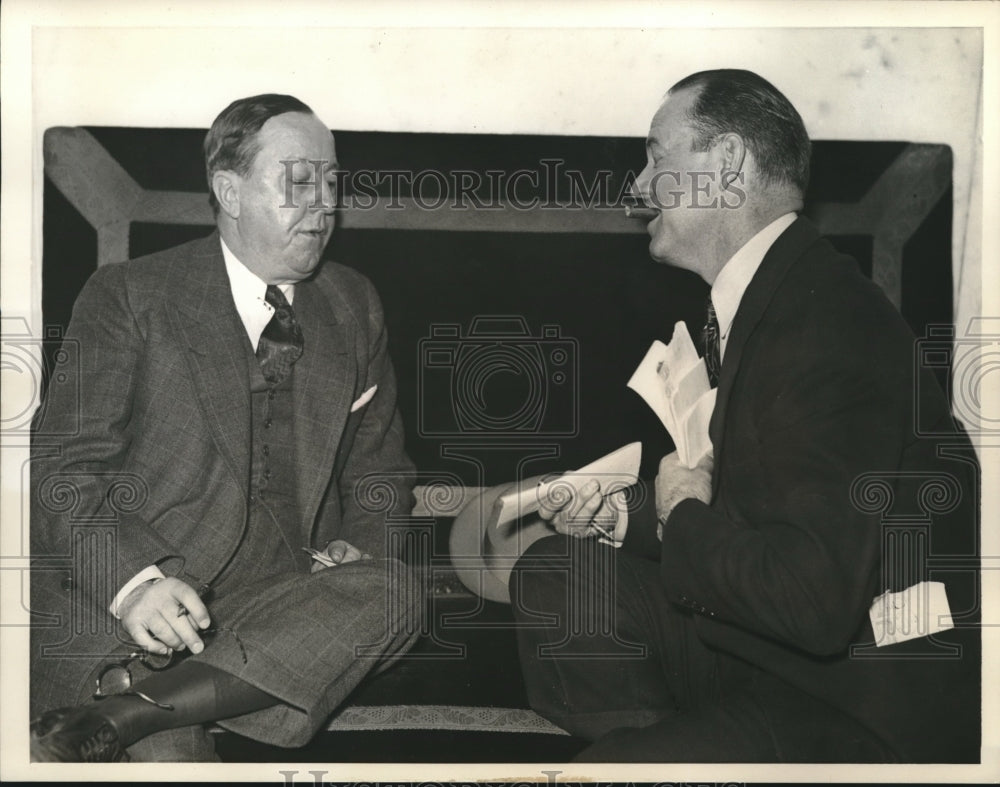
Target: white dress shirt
<point>735,276</point>
<point>248,294</point>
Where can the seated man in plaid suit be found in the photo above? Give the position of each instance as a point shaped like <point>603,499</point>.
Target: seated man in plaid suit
<point>240,394</point>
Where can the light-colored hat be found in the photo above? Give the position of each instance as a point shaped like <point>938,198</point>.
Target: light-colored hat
<point>483,553</point>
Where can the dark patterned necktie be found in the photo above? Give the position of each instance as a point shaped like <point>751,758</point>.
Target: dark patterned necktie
<point>710,337</point>
<point>281,342</point>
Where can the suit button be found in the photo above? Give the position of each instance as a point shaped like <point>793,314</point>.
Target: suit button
<point>67,583</point>
<point>252,499</point>
<point>270,394</point>
<point>267,449</point>
<point>267,424</point>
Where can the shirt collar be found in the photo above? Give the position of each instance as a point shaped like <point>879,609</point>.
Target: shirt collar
<point>249,292</point>
<point>246,285</point>
<point>735,276</point>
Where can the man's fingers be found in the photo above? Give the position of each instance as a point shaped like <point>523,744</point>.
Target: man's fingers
<point>189,637</point>
<point>340,552</point>
<point>550,505</point>
<point>187,597</point>
<point>588,512</point>
<point>546,513</point>
<point>619,509</point>
<point>164,632</point>
<point>582,502</point>
<point>555,500</point>
<point>141,637</point>
<point>165,616</point>
<point>575,520</point>
<point>336,550</point>
<point>351,554</point>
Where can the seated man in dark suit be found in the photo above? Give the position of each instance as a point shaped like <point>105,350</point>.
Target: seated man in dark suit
<point>744,618</point>
<point>232,405</point>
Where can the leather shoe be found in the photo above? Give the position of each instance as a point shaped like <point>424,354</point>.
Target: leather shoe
<point>75,735</point>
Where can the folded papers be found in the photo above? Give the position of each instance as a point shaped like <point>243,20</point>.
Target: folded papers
<point>673,381</point>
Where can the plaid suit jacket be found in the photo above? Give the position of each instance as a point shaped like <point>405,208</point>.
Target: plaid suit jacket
<point>148,439</point>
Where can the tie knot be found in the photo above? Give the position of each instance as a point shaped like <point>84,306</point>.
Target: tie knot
<point>276,297</point>
<point>710,312</point>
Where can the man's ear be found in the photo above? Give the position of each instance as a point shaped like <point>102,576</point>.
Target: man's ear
<point>226,185</point>
<point>733,153</point>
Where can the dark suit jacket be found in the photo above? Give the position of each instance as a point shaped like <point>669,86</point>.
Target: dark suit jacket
<point>147,441</point>
<point>818,468</point>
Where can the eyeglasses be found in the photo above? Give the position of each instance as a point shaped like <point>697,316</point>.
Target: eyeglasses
<point>116,678</point>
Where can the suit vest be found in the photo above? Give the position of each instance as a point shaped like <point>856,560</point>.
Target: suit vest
<point>273,537</point>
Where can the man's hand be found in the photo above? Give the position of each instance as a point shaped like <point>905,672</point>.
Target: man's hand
<point>167,609</point>
<point>676,482</point>
<point>340,552</point>
<point>585,514</point>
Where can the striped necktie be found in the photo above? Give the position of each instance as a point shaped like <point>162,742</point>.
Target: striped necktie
<point>710,337</point>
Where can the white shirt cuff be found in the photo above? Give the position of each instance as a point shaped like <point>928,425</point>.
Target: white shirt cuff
<point>148,573</point>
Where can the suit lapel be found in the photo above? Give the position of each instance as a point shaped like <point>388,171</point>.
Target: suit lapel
<point>324,382</point>
<point>776,263</point>
<point>207,319</point>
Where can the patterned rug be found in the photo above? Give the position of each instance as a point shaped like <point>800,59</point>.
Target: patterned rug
<point>441,717</point>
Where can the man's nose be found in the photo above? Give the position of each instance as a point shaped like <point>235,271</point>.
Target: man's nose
<point>327,196</point>
<point>640,186</point>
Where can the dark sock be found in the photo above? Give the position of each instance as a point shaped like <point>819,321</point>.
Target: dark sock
<point>197,692</point>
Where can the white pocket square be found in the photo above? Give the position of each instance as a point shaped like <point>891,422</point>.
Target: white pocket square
<point>364,398</point>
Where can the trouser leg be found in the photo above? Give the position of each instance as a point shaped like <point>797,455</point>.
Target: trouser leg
<point>582,608</point>
<point>765,720</point>
<point>600,645</point>
<point>309,639</point>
